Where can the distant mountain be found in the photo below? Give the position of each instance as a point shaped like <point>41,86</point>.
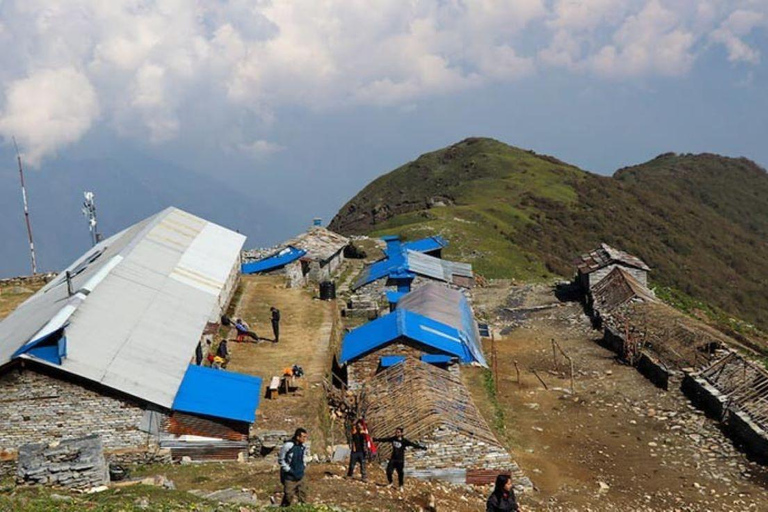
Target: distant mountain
<point>700,221</point>
<point>125,193</point>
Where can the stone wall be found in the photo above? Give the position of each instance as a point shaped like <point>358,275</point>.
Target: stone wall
<point>38,408</point>
<point>704,396</point>
<point>74,463</point>
<point>653,370</point>
<point>613,340</point>
<point>366,367</point>
<point>36,280</point>
<point>745,431</point>
<point>738,425</point>
<point>450,449</point>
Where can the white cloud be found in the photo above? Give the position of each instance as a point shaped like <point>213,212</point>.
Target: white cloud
<point>732,31</point>
<point>147,67</point>
<point>48,110</point>
<point>260,148</point>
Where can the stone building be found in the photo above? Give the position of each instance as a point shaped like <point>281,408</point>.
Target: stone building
<point>311,257</point>
<point>433,322</point>
<point>592,267</point>
<point>434,407</point>
<point>324,252</point>
<point>613,291</point>
<point>105,347</point>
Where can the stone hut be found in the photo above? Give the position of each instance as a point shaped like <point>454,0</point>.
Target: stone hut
<point>613,291</point>
<point>434,323</point>
<point>324,252</point>
<point>594,266</point>
<point>434,407</point>
<point>105,347</point>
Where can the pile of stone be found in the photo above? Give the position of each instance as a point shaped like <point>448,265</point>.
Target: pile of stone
<point>75,463</point>
<point>264,442</point>
<point>362,306</point>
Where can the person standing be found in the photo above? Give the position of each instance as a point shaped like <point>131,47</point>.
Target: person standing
<point>292,465</point>
<point>503,497</point>
<point>222,354</point>
<point>275,322</point>
<point>358,448</point>
<point>397,460</point>
<point>199,353</point>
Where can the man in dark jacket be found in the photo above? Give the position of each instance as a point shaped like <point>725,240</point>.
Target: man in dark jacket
<point>397,460</point>
<point>358,450</point>
<point>291,460</point>
<point>275,322</point>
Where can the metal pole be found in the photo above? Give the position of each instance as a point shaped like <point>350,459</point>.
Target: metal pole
<point>89,210</point>
<point>26,210</point>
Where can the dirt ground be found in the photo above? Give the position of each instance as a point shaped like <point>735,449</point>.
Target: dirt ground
<point>12,296</point>
<point>617,442</point>
<point>305,330</point>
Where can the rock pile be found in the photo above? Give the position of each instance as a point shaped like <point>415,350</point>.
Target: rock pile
<point>75,463</point>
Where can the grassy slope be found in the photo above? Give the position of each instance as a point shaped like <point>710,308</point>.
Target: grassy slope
<point>700,221</point>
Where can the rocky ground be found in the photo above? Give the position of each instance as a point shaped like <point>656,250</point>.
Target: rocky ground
<point>616,442</point>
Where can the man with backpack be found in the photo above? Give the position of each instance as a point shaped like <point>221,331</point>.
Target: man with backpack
<point>292,465</point>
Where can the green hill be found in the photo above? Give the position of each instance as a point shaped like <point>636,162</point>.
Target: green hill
<point>700,221</point>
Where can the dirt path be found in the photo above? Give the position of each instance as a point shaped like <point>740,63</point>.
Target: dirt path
<point>618,443</point>
<point>305,330</point>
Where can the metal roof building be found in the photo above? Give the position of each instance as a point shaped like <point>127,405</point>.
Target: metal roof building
<point>129,313</point>
<point>406,260</point>
<point>436,318</point>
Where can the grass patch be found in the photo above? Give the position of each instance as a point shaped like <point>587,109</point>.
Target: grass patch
<point>498,422</point>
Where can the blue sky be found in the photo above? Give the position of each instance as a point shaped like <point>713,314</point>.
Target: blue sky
<point>298,104</point>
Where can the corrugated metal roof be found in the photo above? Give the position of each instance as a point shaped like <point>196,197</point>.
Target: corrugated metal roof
<point>141,308</point>
<point>449,307</point>
<point>218,393</point>
<point>273,261</point>
<point>606,255</point>
<point>428,333</point>
<point>408,262</point>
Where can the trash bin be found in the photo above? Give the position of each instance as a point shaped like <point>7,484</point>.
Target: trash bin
<point>327,290</point>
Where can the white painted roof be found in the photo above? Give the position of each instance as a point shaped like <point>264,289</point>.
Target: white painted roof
<point>140,307</point>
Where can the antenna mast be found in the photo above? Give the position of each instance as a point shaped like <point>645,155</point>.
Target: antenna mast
<point>89,210</point>
<point>26,210</point>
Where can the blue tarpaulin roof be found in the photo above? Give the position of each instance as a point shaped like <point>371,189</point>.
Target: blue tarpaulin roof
<point>433,336</point>
<point>393,297</point>
<point>273,261</point>
<point>387,361</point>
<point>450,307</point>
<point>395,264</point>
<point>218,393</point>
<point>429,244</point>
<point>52,347</point>
<point>436,359</point>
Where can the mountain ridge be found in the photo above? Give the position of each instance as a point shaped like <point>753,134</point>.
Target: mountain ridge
<point>700,221</point>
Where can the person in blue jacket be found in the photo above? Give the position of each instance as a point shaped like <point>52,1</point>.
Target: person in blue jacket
<point>292,465</point>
